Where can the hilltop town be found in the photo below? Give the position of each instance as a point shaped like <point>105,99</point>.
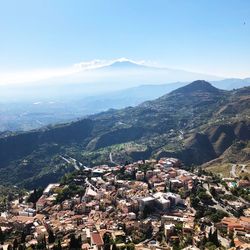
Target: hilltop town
<point>143,205</point>
<point>124,125</point>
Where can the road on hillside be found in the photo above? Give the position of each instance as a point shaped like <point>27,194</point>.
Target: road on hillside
<point>232,172</point>
<point>71,161</point>
<point>217,204</point>
<point>111,159</point>
<point>90,184</point>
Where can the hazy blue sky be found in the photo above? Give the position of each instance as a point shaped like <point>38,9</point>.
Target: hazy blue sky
<point>211,36</point>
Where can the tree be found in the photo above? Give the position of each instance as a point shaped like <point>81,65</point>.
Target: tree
<point>58,246</point>
<point>107,241</point>
<point>114,247</point>
<point>232,244</point>
<point>51,237</point>
<point>74,243</point>
<point>23,236</point>
<point>210,246</point>
<point>194,201</point>
<point>189,240</point>
<point>215,238</point>
<point>79,241</point>
<point>203,243</point>
<point>176,246</point>
<point>130,246</point>
<point>149,231</point>
<point>41,243</point>
<point>15,244</point>
<point>2,236</point>
<point>213,192</point>
<point>210,235</point>
<point>218,215</point>
<point>9,247</point>
<point>204,196</point>
<point>21,247</point>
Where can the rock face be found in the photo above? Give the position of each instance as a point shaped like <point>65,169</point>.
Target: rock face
<point>195,123</point>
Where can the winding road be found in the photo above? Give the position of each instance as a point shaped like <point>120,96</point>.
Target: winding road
<point>232,172</point>
<point>111,159</point>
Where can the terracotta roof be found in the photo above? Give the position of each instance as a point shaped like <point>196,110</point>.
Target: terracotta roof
<point>96,239</point>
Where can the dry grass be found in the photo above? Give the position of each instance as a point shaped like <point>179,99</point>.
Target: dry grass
<point>224,169</point>
<point>220,169</point>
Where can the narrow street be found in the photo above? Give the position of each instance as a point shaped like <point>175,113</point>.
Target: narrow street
<point>217,205</point>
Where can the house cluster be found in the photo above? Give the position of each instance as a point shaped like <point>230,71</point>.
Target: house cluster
<point>233,182</point>
<point>137,203</point>
<point>239,228</point>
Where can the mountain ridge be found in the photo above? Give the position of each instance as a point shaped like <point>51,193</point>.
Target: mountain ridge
<point>198,85</point>
<point>191,129</point>
<point>36,113</point>
<point>125,64</point>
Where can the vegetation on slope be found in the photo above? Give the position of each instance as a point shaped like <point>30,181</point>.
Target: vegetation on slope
<point>195,123</point>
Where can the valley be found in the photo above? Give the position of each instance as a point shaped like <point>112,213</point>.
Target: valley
<point>196,123</point>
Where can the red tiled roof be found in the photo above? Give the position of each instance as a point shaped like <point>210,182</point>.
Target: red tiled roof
<point>96,239</point>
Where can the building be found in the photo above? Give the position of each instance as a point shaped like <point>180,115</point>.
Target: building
<point>147,201</point>
<point>168,230</point>
<point>244,183</point>
<point>50,188</point>
<point>139,175</point>
<point>96,241</point>
<point>239,226</point>
<point>28,212</point>
<point>41,203</point>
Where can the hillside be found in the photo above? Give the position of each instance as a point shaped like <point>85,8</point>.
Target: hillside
<point>24,115</point>
<point>236,156</point>
<point>195,123</point>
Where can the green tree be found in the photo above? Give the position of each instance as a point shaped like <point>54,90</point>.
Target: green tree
<point>2,236</point>
<point>107,241</point>
<point>210,235</point>
<point>232,244</point>
<point>74,243</point>
<point>130,246</point>
<point>15,244</point>
<point>215,238</point>
<point>23,236</point>
<point>213,192</point>
<point>9,247</point>
<point>114,247</point>
<point>202,243</point>
<point>51,237</point>
<point>21,247</point>
<point>35,195</point>
<point>42,243</point>
<point>58,246</point>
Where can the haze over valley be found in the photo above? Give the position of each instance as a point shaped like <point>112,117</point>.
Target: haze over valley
<point>120,84</point>
<point>125,125</point>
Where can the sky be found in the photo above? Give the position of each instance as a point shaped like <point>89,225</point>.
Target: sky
<point>45,38</point>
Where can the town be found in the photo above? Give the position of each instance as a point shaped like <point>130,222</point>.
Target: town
<point>142,205</point>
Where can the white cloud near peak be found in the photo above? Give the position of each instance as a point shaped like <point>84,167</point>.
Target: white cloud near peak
<point>25,77</point>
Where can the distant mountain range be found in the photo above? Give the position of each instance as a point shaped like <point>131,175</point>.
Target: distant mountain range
<point>89,91</point>
<point>119,75</point>
<point>123,74</point>
<point>196,123</point>
<point>35,112</point>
